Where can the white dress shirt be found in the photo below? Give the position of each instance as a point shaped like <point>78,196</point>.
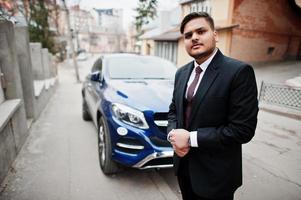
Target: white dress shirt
<point>204,66</point>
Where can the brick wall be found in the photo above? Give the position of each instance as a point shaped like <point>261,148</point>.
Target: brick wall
<point>268,30</point>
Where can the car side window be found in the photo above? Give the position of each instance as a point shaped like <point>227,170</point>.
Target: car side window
<point>97,65</point>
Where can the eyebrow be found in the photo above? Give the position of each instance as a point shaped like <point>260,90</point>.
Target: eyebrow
<point>197,29</point>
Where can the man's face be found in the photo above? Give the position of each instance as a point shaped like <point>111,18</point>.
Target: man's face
<point>199,39</point>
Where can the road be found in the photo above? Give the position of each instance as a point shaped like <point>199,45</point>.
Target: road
<point>59,159</point>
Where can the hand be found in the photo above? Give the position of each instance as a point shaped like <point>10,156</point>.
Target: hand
<point>179,138</point>
<point>181,152</point>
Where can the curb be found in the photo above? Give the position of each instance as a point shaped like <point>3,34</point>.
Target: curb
<point>287,112</point>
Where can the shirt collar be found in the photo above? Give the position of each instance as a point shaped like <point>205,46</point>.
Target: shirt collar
<point>205,64</point>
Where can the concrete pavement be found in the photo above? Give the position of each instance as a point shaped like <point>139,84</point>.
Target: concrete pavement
<point>277,72</point>
<point>272,162</point>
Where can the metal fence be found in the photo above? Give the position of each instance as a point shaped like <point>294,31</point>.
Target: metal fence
<point>281,95</point>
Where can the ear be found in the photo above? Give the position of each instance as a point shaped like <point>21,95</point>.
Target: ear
<point>215,36</point>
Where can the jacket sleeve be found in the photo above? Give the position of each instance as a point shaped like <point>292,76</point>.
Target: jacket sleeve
<point>172,113</point>
<point>242,114</point>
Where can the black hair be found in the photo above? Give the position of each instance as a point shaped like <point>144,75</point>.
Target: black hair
<point>195,15</point>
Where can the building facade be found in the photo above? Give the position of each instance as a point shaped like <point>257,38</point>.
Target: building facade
<point>268,30</point>
<point>107,35</point>
<point>248,30</point>
<point>255,30</point>
<point>96,31</point>
<point>161,40</point>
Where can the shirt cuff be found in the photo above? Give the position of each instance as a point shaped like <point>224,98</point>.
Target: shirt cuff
<point>193,139</point>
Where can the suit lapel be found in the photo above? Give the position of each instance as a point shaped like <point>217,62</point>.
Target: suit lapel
<point>184,79</point>
<point>210,75</point>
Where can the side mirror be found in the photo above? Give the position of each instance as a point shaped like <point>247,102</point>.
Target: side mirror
<point>95,76</point>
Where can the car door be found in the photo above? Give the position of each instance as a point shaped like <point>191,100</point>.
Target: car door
<point>93,89</point>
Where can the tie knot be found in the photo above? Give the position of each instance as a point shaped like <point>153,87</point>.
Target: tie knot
<point>198,70</point>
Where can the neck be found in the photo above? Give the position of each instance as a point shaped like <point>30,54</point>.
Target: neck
<point>200,59</point>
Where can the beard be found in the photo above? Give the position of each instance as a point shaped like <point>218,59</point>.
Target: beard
<point>203,55</point>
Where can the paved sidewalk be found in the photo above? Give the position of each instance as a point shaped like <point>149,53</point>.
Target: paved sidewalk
<point>277,72</point>
<point>272,161</point>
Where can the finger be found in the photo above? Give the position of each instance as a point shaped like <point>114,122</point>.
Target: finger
<point>172,140</point>
<point>184,149</point>
<point>169,135</point>
<point>181,152</point>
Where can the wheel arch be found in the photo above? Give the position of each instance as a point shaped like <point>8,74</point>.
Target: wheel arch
<point>98,115</point>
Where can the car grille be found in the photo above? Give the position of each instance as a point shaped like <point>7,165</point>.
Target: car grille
<point>158,161</point>
<point>161,117</point>
<point>159,139</point>
<point>160,142</point>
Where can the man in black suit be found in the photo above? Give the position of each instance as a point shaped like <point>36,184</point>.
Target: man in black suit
<point>213,112</point>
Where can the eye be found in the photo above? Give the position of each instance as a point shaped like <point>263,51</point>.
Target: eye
<point>200,32</point>
<point>188,35</point>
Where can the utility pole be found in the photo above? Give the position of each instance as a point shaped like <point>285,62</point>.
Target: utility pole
<point>71,42</point>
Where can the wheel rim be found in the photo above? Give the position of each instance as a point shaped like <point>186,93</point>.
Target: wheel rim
<point>102,147</point>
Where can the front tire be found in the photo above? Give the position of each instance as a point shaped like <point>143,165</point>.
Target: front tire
<point>107,165</point>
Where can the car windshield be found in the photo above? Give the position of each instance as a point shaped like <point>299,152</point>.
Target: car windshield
<point>137,67</point>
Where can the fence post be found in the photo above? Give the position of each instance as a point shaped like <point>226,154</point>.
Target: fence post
<point>24,60</point>
<point>261,87</point>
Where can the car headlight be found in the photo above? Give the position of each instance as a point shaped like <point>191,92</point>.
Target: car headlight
<point>129,116</point>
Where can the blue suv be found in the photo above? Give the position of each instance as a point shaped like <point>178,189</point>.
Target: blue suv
<point>127,97</point>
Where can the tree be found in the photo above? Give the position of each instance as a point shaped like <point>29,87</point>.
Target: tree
<point>38,25</point>
<point>7,10</point>
<point>146,10</point>
<point>36,14</point>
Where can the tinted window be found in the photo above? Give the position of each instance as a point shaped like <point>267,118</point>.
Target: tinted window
<point>137,67</point>
<point>97,65</point>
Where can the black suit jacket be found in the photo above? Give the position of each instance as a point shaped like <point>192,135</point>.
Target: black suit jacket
<point>224,114</point>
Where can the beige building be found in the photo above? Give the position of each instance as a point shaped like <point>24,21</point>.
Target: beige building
<point>107,34</point>
<point>221,11</point>
<point>249,30</point>
<point>96,31</point>
<point>162,40</point>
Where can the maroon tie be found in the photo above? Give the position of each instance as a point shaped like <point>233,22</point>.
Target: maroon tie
<point>190,92</point>
<point>192,86</point>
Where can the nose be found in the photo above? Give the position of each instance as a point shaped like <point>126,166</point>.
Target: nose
<point>195,37</point>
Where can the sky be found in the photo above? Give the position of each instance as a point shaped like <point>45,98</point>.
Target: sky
<point>126,5</point>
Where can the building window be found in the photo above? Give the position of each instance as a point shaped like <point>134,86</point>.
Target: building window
<point>100,20</point>
<point>194,7</point>
<point>270,50</point>
<point>201,6</point>
<point>148,49</point>
<point>167,50</point>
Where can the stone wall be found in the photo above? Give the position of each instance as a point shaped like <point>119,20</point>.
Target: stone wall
<point>28,81</point>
